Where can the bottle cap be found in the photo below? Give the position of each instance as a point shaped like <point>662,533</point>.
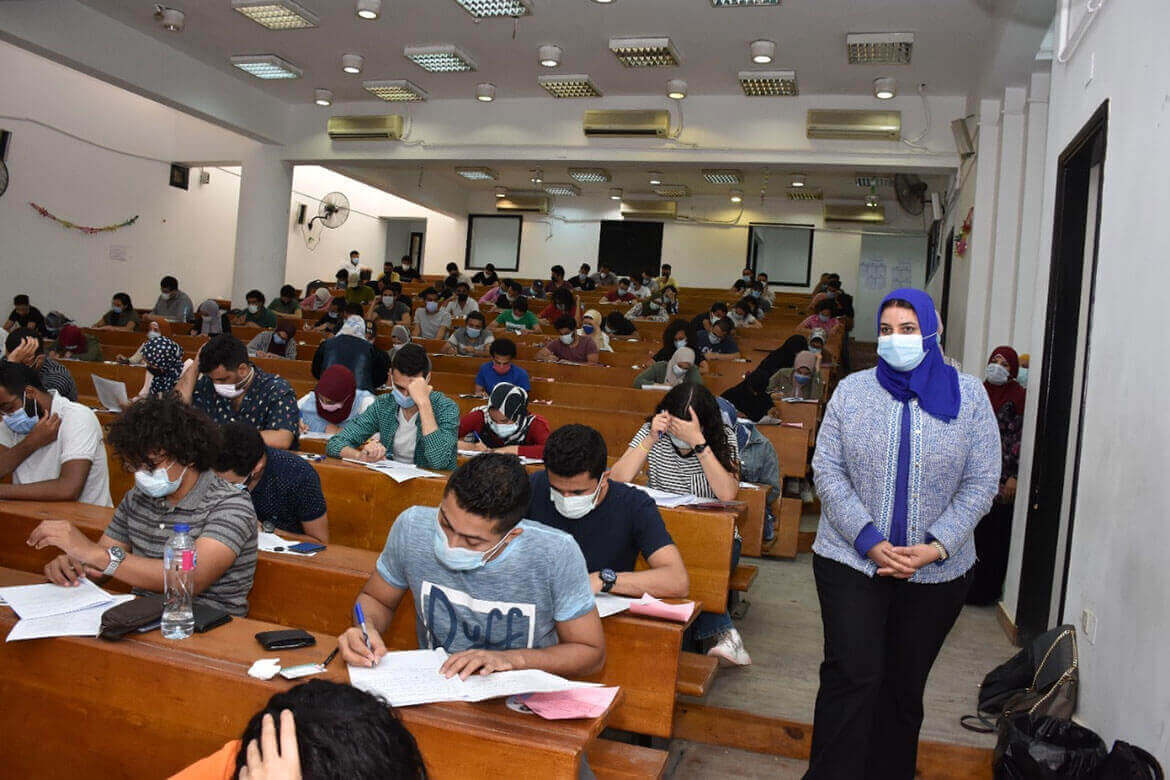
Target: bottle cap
<point>182,528</point>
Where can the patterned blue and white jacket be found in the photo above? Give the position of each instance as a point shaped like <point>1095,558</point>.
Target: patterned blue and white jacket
<point>954,473</point>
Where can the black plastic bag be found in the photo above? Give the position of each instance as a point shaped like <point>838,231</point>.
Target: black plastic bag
<point>1046,748</point>
<point>1130,762</point>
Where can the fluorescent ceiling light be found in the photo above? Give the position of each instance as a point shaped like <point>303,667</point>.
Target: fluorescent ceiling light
<point>806,194</point>
<point>276,14</point>
<point>763,52</point>
<point>655,178</point>
<point>369,9</point>
<point>395,90</point>
<point>603,2</point>
<point>478,174</point>
<point>798,180</point>
<point>266,66</point>
<point>323,97</point>
<point>615,193</point>
<point>352,63</point>
<point>501,192</point>
<point>736,196</point>
<point>672,191</point>
<point>549,56</point>
<point>482,9</point>
<point>867,180</point>
<point>722,175</point>
<point>884,88</point>
<point>485,93</point>
<point>676,89</point>
<point>574,86</point>
<point>769,83</point>
<point>445,58</point>
<point>589,175</point>
<point>645,52</point>
<point>741,3</point>
<point>537,176</point>
<point>879,48</point>
<point>562,189</point>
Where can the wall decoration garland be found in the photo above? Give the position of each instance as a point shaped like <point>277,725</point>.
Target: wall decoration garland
<point>84,229</point>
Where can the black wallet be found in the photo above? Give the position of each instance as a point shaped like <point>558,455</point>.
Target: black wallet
<point>285,640</point>
<point>144,614</point>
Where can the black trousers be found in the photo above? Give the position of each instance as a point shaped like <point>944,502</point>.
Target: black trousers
<point>993,537</point>
<point>881,638</point>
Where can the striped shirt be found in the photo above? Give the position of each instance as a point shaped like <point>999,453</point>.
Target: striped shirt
<point>55,376</point>
<point>669,471</point>
<point>213,509</point>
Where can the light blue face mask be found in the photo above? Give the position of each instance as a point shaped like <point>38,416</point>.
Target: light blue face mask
<point>680,343</point>
<point>117,309</point>
<point>403,400</point>
<point>473,333</point>
<point>461,558</point>
<point>901,351</point>
<point>1022,377</point>
<point>21,422</point>
<point>156,484</point>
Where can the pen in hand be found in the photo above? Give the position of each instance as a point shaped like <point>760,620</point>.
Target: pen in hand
<point>361,621</point>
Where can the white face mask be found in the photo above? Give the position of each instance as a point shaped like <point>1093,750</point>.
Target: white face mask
<point>680,343</point>
<point>387,300</point>
<point>503,429</point>
<point>253,307</point>
<point>575,507</point>
<point>901,351</point>
<point>231,390</point>
<point>680,371</point>
<point>566,338</point>
<point>996,374</point>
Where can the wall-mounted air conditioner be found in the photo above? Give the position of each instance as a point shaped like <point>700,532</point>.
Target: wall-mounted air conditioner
<point>530,203</point>
<point>855,125</point>
<point>384,127</point>
<point>620,124</point>
<point>649,209</point>
<point>848,212</point>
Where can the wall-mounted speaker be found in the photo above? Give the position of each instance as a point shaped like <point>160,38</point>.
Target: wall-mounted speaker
<point>301,208</point>
<point>963,143</point>
<point>4,138</point>
<point>180,176</point>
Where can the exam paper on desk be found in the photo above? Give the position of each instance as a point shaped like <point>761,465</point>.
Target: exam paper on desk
<point>35,601</point>
<point>83,622</point>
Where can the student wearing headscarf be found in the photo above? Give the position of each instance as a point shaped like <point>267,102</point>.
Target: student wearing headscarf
<point>317,300</point>
<point>164,364</point>
<point>816,345</point>
<point>333,402</point>
<point>399,337</point>
<point>993,535</point>
<point>75,344</point>
<point>680,368</point>
<point>591,327</point>
<point>751,396</point>
<point>800,381</point>
<point>907,461</point>
<point>210,320</point>
<point>504,425</point>
<point>370,366</point>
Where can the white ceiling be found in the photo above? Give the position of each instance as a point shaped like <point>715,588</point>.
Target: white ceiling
<point>950,49</point>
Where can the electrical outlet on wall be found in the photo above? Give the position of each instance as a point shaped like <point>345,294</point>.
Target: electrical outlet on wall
<point>1089,625</point>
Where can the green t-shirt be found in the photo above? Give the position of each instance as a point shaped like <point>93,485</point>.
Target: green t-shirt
<point>280,307</point>
<point>265,318</point>
<point>360,294</point>
<point>508,317</point>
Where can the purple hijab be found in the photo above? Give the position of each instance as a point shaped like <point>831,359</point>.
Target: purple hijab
<point>933,382</point>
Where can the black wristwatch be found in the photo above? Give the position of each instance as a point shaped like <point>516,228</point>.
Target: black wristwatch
<point>700,448</point>
<point>608,580</point>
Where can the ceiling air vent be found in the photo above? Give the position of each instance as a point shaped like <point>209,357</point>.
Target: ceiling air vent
<point>622,124</point>
<point>854,212</point>
<point>385,127</point>
<point>526,202</point>
<point>649,209</point>
<point>855,125</point>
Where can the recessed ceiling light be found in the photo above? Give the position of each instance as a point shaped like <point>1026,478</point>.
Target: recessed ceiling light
<point>736,196</point>
<point>478,174</point>
<point>482,9</point>
<point>655,178</point>
<point>603,2</point>
<point>879,48</point>
<point>644,52</point>
<point>369,9</point>
<point>672,191</point>
<point>501,192</point>
<point>615,193</point>
<point>574,86</point>
<point>266,66</point>
<point>352,63</point>
<point>537,176</point>
<point>763,52</point>
<point>445,58</point>
<point>798,180</point>
<point>868,180</point>
<point>589,175</point>
<point>769,83</point>
<point>170,19</point>
<point>562,189</point>
<point>872,201</point>
<point>276,14</point>
<point>485,92</point>
<point>550,56</point>
<point>323,97</point>
<point>396,90</point>
<point>884,88</point>
<point>741,3</point>
<point>676,89</point>
<point>722,175</point>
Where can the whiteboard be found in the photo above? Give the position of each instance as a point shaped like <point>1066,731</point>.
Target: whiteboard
<point>495,239</point>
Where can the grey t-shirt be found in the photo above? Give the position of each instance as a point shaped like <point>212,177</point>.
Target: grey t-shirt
<point>460,338</point>
<point>513,601</point>
<point>177,309</point>
<point>429,324</point>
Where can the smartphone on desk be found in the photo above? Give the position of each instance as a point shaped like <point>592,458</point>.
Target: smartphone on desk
<point>306,547</point>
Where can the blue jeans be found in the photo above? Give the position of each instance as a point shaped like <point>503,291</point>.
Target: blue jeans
<point>758,463</point>
<point>709,624</point>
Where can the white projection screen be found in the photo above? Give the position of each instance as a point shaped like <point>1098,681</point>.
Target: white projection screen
<point>495,239</point>
<point>784,252</point>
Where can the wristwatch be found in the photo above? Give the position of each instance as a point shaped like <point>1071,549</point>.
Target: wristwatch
<point>700,448</point>
<point>608,580</point>
<point>116,556</point>
<point>942,551</point>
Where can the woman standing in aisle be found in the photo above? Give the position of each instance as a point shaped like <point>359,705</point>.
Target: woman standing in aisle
<point>907,461</point>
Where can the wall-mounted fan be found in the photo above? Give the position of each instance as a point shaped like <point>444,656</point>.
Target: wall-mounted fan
<point>911,193</point>
<point>331,213</point>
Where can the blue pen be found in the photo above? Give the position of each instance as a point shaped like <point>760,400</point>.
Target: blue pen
<point>361,620</point>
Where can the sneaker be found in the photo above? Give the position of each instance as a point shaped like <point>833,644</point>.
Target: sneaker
<point>729,649</point>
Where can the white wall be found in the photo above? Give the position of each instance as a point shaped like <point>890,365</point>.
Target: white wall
<point>891,252</point>
<point>1120,538</point>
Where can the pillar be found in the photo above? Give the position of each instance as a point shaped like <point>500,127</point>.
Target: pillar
<point>1036,140</point>
<point>262,223</point>
<point>1001,305</point>
<point>981,253</point>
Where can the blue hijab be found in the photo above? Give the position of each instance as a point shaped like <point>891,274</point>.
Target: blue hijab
<point>933,382</point>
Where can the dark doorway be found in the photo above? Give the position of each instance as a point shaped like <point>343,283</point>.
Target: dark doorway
<point>629,248</point>
<point>416,248</point>
<point>948,256</point>
<point>1059,422</point>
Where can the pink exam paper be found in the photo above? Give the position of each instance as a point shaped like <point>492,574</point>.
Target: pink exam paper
<point>652,607</point>
<point>572,703</point>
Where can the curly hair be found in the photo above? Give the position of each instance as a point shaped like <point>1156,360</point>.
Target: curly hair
<point>168,426</point>
<point>706,408</point>
<point>672,329</point>
<point>494,486</point>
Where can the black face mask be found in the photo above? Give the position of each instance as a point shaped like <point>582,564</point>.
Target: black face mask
<point>462,297</point>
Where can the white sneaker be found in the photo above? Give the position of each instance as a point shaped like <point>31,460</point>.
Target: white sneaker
<point>729,649</point>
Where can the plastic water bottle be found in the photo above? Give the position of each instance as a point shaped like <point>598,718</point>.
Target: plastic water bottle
<point>178,619</point>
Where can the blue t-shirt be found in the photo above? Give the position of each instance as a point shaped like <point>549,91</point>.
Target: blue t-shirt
<point>726,345</point>
<point>626,523</point>
<point>487,378</point>
<point>515,600</point>
<point>288,493</point>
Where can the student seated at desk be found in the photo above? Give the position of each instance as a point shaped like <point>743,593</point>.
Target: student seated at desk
<point>317,299</point>
<point>676,335</point>
<point>824,319</point>
<point>172,447</point>
<point>473,561</point>
<point>501,369</point>
<point>361,293</point>
<point>287,303</point>
<point>163,358</point>
<point>350,348</point>
<point>462,304</point>
<point>473,338</point>
<point>345,733</point>
<point>431,322</point>
<point>417,423</point>
<point>801,381</point>
<point>616,324</point>
<point>569,346</point>
<point>210,320</point>
<point>75,344</point>
<point>816,345</point>
<point>620,294</point>
<point>604,276</point>
<point>225,385</point>
<point>333,402</point>
<point>743,316</point>
<point>278,343</point>
<point>504,425</point>
<point>680,368</point>
<point>583,281</point>
<point>516,319</point>
<point>25,316</point>
<point>611,522</point>
<point>487,277</point>
<point>562,303</point>
<point>255,312</point>
<point>24,346</point>
<point>173,304</point>
<point>705,320</point>
<point>121,315</point>
<point>717,343</point>
<point>285,489</point>
<point>391,307</point>
<point>331,319</point>
<point>51,446</point>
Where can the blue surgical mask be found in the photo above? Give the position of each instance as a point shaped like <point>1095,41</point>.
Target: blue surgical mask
<point>117,309</point>
<point>902,352</point>
<point>1022,377</point>
<point>713,339</point>
<point>432,307</point>
<point>21,422</point>
<point>680,343</point>
<point>277,338</point>
<point>156,484</point>
<point>460,558</point>
<point>996,374</point>
<point>755,293</point>
<point>623,290</point>
<point>588,329</point>
<point>403,400</point>
<point>334,314</point>
<point>681,370</point>
<point>473,333</point>
<point>802,379</point>
<point>746,277</point>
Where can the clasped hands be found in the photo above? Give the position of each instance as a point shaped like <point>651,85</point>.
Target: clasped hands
<point>901,562</point>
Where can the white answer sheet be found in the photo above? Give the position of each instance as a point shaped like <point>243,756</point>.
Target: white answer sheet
<point>83,622</point>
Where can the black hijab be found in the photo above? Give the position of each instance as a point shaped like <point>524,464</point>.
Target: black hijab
<point>751,395</point>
